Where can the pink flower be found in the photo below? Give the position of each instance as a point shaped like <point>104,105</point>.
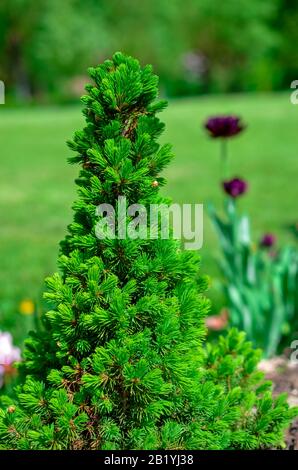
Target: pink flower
<point>8,354</point>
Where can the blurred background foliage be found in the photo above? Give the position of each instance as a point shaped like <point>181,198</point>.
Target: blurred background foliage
<point>233,57</point>
<point>195,46</point>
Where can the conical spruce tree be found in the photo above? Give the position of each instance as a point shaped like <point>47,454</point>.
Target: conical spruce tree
<point>120,362</point>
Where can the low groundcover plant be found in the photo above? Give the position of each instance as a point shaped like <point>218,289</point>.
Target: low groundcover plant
<point>121,361</point>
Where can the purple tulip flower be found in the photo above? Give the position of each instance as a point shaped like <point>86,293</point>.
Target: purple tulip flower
<point>224,126</point>
<point>235,187</point>
<point>268,240</point>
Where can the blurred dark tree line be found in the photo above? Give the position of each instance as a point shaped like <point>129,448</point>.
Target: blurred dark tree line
<point>195,45</point>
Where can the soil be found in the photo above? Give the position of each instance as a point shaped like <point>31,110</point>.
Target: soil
<point>284,375</point>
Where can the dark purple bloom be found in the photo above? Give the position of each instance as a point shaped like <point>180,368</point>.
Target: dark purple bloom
<point>224,126</point>
<point>268,240</point>
<point>235,187</point>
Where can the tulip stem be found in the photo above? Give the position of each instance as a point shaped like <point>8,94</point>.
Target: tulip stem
<point>224,159</point>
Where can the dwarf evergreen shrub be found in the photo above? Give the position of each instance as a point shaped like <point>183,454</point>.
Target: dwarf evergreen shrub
<point>120,363</point>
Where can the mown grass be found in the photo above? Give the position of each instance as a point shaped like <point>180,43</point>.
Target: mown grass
<point>36,184</point>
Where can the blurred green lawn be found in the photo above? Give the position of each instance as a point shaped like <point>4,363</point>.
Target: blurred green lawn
<point>36,183</point>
